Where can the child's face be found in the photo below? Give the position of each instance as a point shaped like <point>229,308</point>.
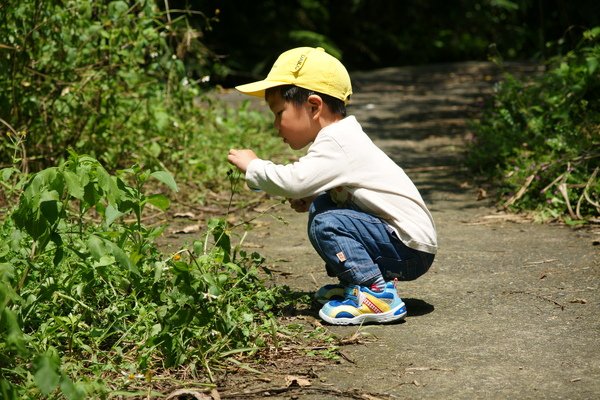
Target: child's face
<point>293,122</point>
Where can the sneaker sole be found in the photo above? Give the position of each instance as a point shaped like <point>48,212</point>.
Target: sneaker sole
<point>393,315</point>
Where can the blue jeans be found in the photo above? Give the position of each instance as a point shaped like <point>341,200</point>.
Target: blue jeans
<point>358,247</point>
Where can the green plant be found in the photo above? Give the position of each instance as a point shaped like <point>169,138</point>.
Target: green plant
<point>78,73</point>
<point>539,139</point>
<point>108,79</point>
<point>89,303</point>
<point>86,294</point>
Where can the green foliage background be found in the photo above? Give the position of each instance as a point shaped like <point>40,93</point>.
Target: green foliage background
<point>369,34</point>
<point>88,301</point>
<point>539,138</point>
<point>104,79</point>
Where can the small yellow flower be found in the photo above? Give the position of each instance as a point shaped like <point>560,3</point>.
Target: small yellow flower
<point>177,257</point>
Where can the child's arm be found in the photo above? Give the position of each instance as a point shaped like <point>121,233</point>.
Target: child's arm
<point>241,158</point>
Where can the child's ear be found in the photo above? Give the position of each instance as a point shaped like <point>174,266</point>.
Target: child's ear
<point>315,102</point>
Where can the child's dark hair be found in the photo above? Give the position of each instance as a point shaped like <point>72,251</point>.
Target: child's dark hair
<point>299,95</point>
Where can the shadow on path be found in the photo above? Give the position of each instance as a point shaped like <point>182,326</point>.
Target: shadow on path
<point>417,307</point>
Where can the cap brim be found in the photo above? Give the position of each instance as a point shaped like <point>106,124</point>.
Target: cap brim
<point>258,88</point>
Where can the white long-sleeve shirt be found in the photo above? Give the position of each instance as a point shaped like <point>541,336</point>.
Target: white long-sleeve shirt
<point>344,161</point>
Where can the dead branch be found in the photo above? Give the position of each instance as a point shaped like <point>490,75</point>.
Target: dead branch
<point>521,191</point>
<point>562,188</point>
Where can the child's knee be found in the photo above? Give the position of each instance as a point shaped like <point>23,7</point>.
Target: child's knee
<point>319,224</point>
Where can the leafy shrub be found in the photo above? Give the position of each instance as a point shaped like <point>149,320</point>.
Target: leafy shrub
<point>86,294</point>
<point>78,74</point>
<point>102,78</point>
<point>540,139</point>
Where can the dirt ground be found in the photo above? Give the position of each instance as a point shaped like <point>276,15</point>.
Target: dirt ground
<point>510,308</point>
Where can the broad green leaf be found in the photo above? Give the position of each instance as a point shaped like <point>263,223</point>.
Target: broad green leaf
<point>156,329</point>
<point>108,185</point>
<point>15,336</point>
<point>104,261</point>
<point>117,8</point>
<point>592,64</point>
<point>160,201</point>
<point>247,317</point>
<point>7,272</point>
<point>70,389</point>
<point>49,195</point>
<point>166,178</point>
<point>162,119</point>
<point>592,33</point>
<point>74,186</point>
<point>7,172</point>
<point>221,236</point>
<point>46,374</point>
<point>121,257</point>
<point>96,247</point>
<point>155,149</point>
<point>506,4</point>
<point>91,195</point>
<point>59,252</point>
<point>111,213</point>
<point>158,270</point>
<point>50,205</point>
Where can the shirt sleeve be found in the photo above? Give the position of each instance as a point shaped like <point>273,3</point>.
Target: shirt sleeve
<point>321,169</point>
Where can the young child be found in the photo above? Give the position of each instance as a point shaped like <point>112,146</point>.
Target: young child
<point>366,219</point>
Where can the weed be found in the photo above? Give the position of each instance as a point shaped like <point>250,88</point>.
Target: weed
<point>540,140</point>
<point>86,294</point>
<point>102,79</point>
<point>88,302</point>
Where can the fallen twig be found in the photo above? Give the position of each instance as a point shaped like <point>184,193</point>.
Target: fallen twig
<point>411,369</point>
<point>542,261</point>
<point>488,219</point>
<point>351,394</point>
<point>562,188</point>
<point>586,196</point>
<point>558,178</point>
<point>562,306</point>
<point>521,191</point>
<point>346,357</point>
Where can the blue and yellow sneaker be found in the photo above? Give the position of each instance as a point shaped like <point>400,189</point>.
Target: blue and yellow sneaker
<point>363,305</point>
<point>329,292</point>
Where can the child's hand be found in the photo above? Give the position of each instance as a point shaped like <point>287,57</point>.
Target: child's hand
<point>301,205</point>
<point>241,158</point>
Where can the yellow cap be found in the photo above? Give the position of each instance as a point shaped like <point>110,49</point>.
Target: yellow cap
<point>306,67</point>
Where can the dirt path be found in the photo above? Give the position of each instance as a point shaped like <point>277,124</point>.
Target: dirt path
<point>510,309</point>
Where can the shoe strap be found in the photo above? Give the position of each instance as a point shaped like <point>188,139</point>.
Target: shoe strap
<point>354,294</point>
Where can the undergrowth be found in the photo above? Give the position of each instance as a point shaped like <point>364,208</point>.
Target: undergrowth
<point>539,139</point>
<point>89,304</point>
<point>108,79</point>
